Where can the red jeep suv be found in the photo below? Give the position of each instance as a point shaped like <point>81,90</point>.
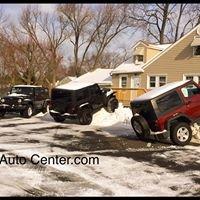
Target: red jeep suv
<point>169,110</point>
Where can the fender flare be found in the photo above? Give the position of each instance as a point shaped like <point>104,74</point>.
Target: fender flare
<point>168,123</point>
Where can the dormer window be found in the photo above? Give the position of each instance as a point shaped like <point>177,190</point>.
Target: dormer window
<point>138,58</point>
<point>196,51</point>
<point>196,46</point>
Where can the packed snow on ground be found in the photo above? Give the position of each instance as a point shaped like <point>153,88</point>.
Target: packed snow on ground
<point>128,166</point>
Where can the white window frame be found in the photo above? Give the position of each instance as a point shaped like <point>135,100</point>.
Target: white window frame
<point>157,80</point>
<point>120,81</point>
<point>194,51</point>
<point>196,77</point>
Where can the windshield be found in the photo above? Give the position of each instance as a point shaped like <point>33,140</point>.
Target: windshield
<point>22,90</point>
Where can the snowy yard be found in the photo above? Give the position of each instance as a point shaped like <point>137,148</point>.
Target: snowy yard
<point>127,166</point>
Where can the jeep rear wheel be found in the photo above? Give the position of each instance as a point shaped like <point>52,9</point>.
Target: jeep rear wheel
<point>59,118</point>
<point>28,112</point>
<point>2,113</point>
<point>85,117</point>
<point>181,134</point>
<point>112,105</point>
<point>140,127</point>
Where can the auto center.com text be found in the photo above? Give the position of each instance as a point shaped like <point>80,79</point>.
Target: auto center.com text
<point>36,159</point>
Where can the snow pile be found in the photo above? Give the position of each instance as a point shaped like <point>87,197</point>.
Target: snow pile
<point>196,131</point>
<point>103,118</point>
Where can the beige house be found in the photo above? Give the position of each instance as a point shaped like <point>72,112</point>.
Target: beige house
<point>155,65</point>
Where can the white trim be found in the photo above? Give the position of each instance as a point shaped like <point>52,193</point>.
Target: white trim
<point>195,76</point>
<point>157,80</point>
<point>170,47</point>
<point>120,80</point>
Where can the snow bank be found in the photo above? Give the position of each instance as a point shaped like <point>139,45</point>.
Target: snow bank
<point>103,118</point>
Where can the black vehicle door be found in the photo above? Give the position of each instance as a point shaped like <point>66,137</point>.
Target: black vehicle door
<point>96,97</point>
<point>39,98</point>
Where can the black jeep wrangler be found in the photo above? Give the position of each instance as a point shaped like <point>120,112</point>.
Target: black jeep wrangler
<point>25,99</point>
<point>80,101</point>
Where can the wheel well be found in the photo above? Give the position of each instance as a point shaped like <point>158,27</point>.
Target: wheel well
<point>180,119</point>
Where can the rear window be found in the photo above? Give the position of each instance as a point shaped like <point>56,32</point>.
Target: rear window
<point>169,101</point>
<point>61,94</point>
<point>145,109</point>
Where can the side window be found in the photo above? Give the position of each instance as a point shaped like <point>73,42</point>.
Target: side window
<point>196,50</point>
<point>123,81</point>
<point>190,90</point>
<point>95,90</point>
<point>169,101</point>
<point>82,94</point>
<point>152,80</point>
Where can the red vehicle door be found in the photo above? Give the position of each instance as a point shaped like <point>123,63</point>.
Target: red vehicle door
<point>191,94</point>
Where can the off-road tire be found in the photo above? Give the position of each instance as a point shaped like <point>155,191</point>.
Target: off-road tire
<point>112,105</point>
<point>2,113</point>
<point>28,112</point>
<point>85,116</point>
<point>142,124</point>
<point>181,133</point>
<point>58,118</point>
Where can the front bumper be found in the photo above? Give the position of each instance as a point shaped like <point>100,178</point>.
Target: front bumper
<point>12,108</point>
<point>66,115</point>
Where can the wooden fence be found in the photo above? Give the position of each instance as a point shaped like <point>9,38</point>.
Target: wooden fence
<point>126,95</point>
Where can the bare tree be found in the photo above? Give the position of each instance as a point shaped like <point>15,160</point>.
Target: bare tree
<point>93,30</point>
<point>166,23</point>
<point>35,25</point>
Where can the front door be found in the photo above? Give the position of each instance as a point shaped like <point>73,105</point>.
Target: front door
<point>136,81</point>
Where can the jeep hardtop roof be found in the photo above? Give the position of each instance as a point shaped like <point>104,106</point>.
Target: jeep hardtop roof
<point>161,90</point>
<point>74,85</point>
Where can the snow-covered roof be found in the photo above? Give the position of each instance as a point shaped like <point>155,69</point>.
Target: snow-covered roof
<point>72,77</point>
<point>27,86</point>
<point>99,76</point>
<point>128,68</point>
<point>160,90</point>
<point>159,46</point>
<point>74,85</point>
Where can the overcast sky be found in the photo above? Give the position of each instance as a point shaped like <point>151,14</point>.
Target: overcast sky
<point>127,40</point>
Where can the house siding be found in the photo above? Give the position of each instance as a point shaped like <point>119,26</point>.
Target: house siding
<point>175,62</point>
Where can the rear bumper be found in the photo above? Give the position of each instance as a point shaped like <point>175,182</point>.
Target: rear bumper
<point>13,108</point>
<point>66,115</point>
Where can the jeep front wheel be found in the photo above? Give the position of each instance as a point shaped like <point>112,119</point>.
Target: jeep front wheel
<point>181,134</point>
<point>85,117</point>
<point>112,105</point>
<point>28,112</point>
<point>140,127</point>
<point>45,108</point>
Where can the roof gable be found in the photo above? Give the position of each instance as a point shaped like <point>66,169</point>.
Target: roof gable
<point>169,48</point>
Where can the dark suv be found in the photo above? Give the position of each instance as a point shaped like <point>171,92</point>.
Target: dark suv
<point>167,111</point>
<point>80,101</point>
<point>25,99</point>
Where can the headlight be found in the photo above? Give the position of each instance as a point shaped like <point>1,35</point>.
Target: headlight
<point>2,100</point>
<point>19,100</point>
